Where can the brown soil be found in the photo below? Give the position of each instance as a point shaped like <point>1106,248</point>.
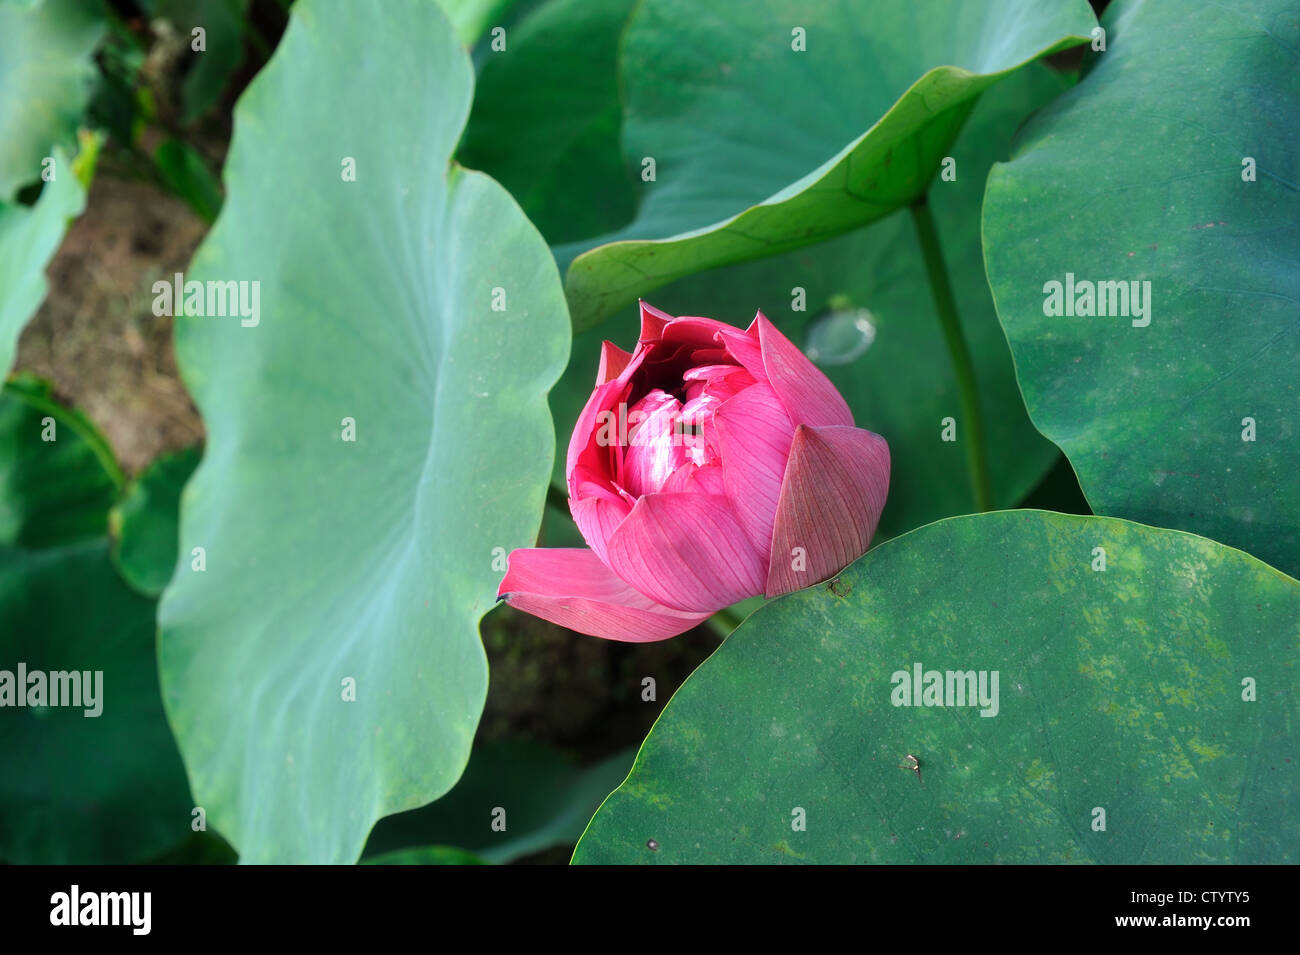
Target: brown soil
<point>96,337</point>
<point>580,693</point>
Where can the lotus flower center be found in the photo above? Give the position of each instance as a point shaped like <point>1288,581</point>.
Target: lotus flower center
<point>665,435</point>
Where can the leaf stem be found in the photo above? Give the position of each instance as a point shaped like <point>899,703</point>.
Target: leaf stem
<point>958,351</point>
<point>724,621</point>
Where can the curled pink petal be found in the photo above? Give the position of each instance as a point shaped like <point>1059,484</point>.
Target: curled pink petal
<point>746,348</point>
<point>612,362</point>
<point>754,436</point>
<point>831,497</point>
<point>597,517</point>
<point>571,587</point>
<point>653,322</point>
<point>700,335</point>
<point>717,381</point>
<point>686,551</point>
<point>808,395</point>
<point>583,447</point>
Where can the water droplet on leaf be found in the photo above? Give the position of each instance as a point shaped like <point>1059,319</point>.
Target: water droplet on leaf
<point>839,336</point>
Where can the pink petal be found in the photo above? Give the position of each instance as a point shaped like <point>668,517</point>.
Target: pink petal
<point>745,347</point>
<point>718,381</point>
<point>710,356</point>
<point>653,322</point>
<point>808,395</point>
<point>692,479</point>
<point>698,436</point>
<point>686,551</point>
<point>582,445</point>
<point>612,362</point>
<point>701,335</point>
<point>655,447</point>
<point>571,587</point>
<point>597,518</point>
<point>834,490</point>
<point>754,436</point>
<point>699,408</point>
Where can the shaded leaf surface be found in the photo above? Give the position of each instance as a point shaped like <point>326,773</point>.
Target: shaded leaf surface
<point>759,147</point>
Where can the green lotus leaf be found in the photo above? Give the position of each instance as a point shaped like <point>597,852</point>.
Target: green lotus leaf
<point>92,774</point>
<point>1011,687</point>
<point>29,237</point>
<point>144,523</point>
<point>547,117</point>
<point>58,476</point>
<point>367,464</point>
<point>46,73</point>
<point>775,124</point>
<point>1161,196</point>
<point>516,798</point>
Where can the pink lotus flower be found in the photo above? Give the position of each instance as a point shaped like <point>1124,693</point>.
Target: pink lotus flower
<point>708,466</point>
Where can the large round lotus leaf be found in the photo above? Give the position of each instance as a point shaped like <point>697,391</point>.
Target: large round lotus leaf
<point>861,305</point>
<point>773,124</point>
<point>90,775</point>
<point>1142,713</point>
<point>46,72</point>
<point>369,460</point>
<point>1172,170</point>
